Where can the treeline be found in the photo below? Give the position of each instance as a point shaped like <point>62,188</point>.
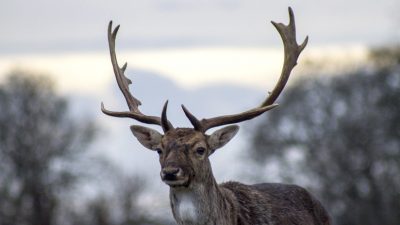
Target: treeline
<point>340,136</point>
<point>337,135</point>
<point>44,161</point>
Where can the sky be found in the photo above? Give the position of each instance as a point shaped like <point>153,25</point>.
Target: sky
<point>53,26</point>
<point>194,43</point>
<point>200,53</point>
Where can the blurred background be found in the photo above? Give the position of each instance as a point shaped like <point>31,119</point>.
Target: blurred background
<point>337,131</point>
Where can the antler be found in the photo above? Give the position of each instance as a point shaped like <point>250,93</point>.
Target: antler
<point>291,53</point>
<point>123,84</point>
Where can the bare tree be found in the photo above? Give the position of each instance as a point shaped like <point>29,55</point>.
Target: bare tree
<point>345,134</point>
<point>117,205</point>
<point>38,144</point>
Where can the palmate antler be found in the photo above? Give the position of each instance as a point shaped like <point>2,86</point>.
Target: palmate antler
<point>291,53</point>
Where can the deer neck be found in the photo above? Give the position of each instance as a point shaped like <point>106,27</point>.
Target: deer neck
<point>201,204</point>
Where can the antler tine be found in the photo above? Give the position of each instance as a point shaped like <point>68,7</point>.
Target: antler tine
<point>122,80</point>
<point>291,51</point>
<point>165,124</point>
<point>193,120</point>
<point>123,84</point>
<point>205,124</point>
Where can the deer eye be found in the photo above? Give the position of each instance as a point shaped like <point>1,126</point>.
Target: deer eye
<point>200,150</point>
<point>159,151</point>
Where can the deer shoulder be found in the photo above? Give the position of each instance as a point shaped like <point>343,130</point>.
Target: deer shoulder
<point>275,203</point>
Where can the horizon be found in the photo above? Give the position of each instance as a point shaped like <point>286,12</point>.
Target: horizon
<point>189,68</point>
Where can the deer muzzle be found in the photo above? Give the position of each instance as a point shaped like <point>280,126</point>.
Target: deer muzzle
<point>173,176</point>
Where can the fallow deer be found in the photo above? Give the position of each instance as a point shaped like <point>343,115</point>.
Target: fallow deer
<point>195,196</point>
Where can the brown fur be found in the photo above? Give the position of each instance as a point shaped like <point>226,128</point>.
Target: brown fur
<point>199,200</point>
<point>196,199</point>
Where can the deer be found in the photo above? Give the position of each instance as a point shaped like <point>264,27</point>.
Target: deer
<point>195,196</point>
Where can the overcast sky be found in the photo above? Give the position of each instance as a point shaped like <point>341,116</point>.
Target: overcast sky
<point>193,43</point>
<point>80,25</point>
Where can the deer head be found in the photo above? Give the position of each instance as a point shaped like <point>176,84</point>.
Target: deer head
<point>184,152</point>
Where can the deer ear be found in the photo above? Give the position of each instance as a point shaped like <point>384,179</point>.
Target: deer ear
<point>148,137</point>
<point>222,136</point>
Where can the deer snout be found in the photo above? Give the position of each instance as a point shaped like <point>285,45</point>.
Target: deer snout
<point>170,173</point>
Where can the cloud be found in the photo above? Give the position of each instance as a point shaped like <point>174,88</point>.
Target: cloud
<point>45,25</point>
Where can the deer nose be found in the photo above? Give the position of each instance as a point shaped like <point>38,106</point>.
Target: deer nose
<point>170,173</point>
